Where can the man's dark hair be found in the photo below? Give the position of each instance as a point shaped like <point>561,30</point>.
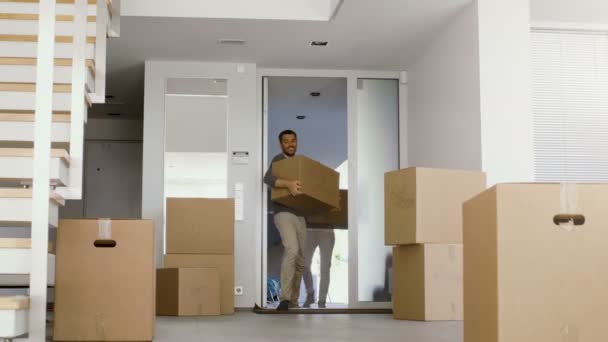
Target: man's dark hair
<point>287,132</point>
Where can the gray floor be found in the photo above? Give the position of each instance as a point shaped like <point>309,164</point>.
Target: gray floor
<point>293,328</point>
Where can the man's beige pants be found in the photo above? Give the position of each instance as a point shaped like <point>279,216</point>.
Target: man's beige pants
<point>293,235</point>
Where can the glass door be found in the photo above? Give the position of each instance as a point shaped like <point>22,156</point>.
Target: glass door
<point>376,152</point>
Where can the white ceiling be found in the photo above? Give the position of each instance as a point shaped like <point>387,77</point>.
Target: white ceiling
<point>575,11</point>
<point>243,9</point>
<point>365,34</point>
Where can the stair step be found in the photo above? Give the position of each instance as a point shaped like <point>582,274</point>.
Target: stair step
<point>28,49</point>
<point>27,74</point>
<point>27,24</point>
<point>29,153</point>
<point>17,129</point>
<point>31,38</point>
<point>35,17</point>
<point>16,208</point>
<point>14,303</point>
<point>31,7</point>
<point>14,320</point>
<point>17,166</point>
<point>20,243</point>
<point>31,87</point>
<point>16,267</point>
<point>66,2</point>
<point>33,61</point>
<point>22,101</point>
<point>31,117</point>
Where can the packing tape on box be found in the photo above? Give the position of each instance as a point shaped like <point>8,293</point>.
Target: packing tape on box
<point>100,326</point>
<point>570,333</point>
<point>452,252</point>
<point>104,229</point>
<point>569,203</point>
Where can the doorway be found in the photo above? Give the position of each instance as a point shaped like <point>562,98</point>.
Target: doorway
<point>345,119</point>
<point>316,109</point>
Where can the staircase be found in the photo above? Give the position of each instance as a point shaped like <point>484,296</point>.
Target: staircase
<point>44,96</point>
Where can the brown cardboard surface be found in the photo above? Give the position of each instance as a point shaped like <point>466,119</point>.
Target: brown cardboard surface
<point>188,292</point>
<point>527,279</point>
<point>425,205</point>
<point>427,282</point>
<point>100,291</point>
<point>332,219</point>
<point>200,226</point>
<point>225,265</point>
<point>320,185</point>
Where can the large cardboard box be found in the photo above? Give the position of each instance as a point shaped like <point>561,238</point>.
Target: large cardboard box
<point>427,282</point>
<point>225,265</point>
<point>332,219</point>
<point>425,205</point>
<point>104,284</point>
<point>188,292</point>
<point>320,185</point>
<point>200,226</point>
<point>527,278</point>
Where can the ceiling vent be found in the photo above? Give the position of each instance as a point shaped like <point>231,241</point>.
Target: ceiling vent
<point>226,41</point>
<point>321,43</point>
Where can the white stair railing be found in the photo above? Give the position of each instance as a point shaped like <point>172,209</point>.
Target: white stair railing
<point>42,158</point>
<point>103,18</point>
<point>79,107</point>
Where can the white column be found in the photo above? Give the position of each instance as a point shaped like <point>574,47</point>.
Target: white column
<point>42,157</point>
<point>100,53</point>
<point>507,140</point>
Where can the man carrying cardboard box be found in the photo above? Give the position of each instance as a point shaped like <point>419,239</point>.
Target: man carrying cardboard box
<point>291,226</point>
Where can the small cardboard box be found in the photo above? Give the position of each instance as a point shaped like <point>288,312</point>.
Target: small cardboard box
<point>200,226</point>
<point>225,265</point>
<point>427,282</point>
<point>526,276</point>
<point>104,283</point>
<point>332,219</point>
<point>425,205</point>
<point>188,292</point>
<point>320,185</point>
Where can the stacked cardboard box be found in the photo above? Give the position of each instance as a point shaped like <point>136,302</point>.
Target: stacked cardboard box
<point>535,261</point>
<point>423,219</point>
<point>104,280</point>
<point>200,235</point>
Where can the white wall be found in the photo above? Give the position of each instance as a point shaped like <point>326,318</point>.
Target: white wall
<point>443,99</point>
<point>505,82</point>
<point>244,132</point>
<point>196,124</point>
<point>111,131</point>
<point>469,94</point>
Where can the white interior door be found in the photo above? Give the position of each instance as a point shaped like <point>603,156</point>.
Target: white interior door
<point>113,181</point>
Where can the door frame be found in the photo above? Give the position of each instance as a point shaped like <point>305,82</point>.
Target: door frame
<point>351,77</point>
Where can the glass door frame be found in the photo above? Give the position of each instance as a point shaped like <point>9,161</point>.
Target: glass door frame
<point>352,77</point>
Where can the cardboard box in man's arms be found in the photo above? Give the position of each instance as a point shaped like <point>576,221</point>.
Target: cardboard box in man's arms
<point>320,185</point>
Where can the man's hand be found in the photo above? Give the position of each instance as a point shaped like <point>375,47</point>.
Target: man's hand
<point>295,188</point>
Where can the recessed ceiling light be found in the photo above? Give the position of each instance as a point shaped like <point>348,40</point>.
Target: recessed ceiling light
<point>301,117</point>
<point>319,43</point>
<point>229,41</point>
